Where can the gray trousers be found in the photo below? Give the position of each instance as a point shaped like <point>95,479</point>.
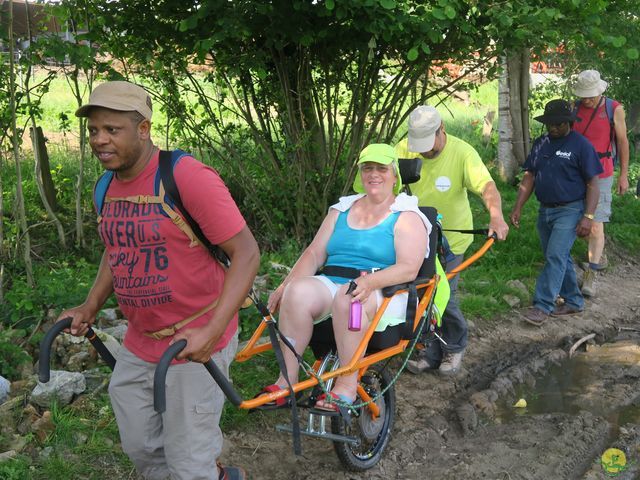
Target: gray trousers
<point>454,326</point>
<point>184,442</point>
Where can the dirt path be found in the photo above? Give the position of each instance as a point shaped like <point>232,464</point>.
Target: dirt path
<point>451,429</point>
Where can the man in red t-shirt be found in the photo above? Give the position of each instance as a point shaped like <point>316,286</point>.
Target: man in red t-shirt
<point>594,124</point>
<point>160,277</point>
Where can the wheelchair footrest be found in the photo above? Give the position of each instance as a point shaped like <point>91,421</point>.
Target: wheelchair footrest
<point>326,435</point>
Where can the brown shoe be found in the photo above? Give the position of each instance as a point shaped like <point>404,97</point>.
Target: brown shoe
<point>563,310</point>
<point>535,316</point>
<point>422,364</point>
<point>589,283</point>
<point>450,363</point>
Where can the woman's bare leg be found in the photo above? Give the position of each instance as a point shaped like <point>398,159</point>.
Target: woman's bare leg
<point>304,299</point>
<point>347,342</point>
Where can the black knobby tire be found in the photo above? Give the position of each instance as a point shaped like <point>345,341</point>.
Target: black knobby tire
<point>373,437</point>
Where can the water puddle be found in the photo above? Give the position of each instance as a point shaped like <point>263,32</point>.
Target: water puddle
<point>603,380</point>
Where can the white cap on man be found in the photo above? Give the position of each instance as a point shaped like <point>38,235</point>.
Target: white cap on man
<point>424,121</point>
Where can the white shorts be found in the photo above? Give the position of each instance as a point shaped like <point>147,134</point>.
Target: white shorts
<point>394,314</point>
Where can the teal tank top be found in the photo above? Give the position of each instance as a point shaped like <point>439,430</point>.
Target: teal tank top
<point>361,249</point>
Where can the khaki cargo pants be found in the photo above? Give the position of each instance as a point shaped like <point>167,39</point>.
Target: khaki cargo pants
<point>185,441</point>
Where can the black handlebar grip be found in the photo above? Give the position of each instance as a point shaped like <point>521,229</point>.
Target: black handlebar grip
<point>44,370</point>
<point>101,348</point>
<point>160,375</point>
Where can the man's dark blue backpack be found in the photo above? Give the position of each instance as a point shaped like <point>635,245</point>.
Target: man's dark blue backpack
<point>608,106</point>
<point>167,195</point>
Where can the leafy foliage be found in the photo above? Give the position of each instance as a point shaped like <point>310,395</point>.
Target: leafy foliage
<point>294,89</point>
<point>15,470</point>
<point>12,356</point>
<point>613,48</point>
<point>60,282</point>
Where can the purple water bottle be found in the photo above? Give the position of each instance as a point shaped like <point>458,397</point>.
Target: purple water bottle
<point>355,316</point>
<point>355,313</point>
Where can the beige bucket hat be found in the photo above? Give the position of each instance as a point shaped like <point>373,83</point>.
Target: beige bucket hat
<point>589,84</point>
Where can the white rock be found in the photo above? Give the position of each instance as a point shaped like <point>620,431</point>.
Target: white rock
<point>511,300</point>
<point>118,332</point>
<point>62,386</point>
<point>4,456</point>
<point>517,285</point>
<point>109,315</point>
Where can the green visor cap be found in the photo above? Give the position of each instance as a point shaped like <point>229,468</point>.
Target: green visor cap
<point>378,153</point>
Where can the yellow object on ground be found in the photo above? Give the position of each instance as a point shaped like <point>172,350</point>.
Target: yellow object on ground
<point>522,403</point>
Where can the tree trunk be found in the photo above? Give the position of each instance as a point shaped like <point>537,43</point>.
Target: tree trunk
<point>21,222</point>
<point>82,134</point>
<point>79,185</point>
<point>43,167</point>
<point>38,149</point>
<point>2,251</point>
<point>40,182</point>
<point>513,94</point>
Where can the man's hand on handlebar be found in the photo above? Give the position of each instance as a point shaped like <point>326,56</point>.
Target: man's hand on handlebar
<point>499,227</point>
<point>82,318</point>
<point>200,343</point>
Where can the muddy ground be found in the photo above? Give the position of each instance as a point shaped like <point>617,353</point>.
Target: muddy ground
<point>466,428</point>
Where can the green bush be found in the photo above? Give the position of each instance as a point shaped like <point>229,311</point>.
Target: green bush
<point>61,283</point>
<point>12,355</point>
<point>17,469</point>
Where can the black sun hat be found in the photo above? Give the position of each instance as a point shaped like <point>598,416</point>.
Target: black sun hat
<point>557,111</point>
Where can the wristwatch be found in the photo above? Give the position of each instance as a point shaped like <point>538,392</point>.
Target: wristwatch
<point>589,216</point>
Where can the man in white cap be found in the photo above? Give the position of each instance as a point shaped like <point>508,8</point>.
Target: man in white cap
<point>160,277</point>
<point>602,122</point>
<point>450,168</point>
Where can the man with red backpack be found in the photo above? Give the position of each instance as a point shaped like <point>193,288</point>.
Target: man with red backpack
<point>602,121</point>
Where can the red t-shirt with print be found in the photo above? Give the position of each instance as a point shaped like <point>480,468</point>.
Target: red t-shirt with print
<point>158,278</point>
<point>597,131</point>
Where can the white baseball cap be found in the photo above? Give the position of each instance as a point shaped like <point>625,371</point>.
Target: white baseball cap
<point>424,121</point>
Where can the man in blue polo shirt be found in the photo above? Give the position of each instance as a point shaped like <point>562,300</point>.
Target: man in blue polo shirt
<point>563,169</point>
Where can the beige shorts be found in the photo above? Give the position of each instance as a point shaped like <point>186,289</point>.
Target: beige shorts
<point>603,210</point>
<point>394,314</point>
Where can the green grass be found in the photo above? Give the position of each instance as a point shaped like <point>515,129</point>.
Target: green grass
<point>624,229</point>
<point>16,469</point>
<point>84,444</point>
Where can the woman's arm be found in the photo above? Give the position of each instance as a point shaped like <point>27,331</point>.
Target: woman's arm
<point>311,259</point>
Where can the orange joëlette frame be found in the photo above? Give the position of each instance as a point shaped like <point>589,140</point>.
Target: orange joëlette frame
<point>356,364</point>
